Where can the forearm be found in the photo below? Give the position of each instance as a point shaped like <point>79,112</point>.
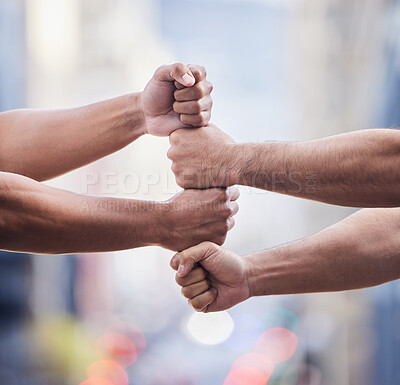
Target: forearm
<point>361,251</point>
<point>357,169</point>
<point>45,144</point>
<point>39,219</point>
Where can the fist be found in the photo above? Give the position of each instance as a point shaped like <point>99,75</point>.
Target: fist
<point>202,158</point>
<point>177,96</point>
<point>194,216</point>
<point>212,278</point>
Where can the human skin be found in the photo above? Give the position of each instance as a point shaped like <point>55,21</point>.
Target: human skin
<point>36,218</point>
<point>368,254</point>
<point>358,169</point>
<point>43,144</point>
<point>38,145</point>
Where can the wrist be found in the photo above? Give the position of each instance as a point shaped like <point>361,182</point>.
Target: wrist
<point>251,275</point>
<point>162,231</point>
<point>136,115</point>
<point>239,162</point>
<point>231,155</point>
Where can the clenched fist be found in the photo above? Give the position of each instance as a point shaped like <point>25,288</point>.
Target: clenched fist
<point>177,96</point>
<point>202,158</point>
<point>212,278</point>
<point>194,216</point>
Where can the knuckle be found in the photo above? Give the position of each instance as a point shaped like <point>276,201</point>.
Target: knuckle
<point>160,69</point>
<point>223,195</point>
<point>220,239</point>
<point>170,154</point>
<point>201,120</point>
<point>198,92</point>
<point>196,107</point>
<point>175,169</point>
<point>181,182</point>
<point>224,227</point>
<point>180,67</point>
<point>174,139</point>
<point>202,71</point>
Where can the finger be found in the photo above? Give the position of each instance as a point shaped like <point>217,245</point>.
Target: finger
<point>196,92</point>
<point>199,72</point>
<point>234,206</point>
<point>196,275</point>
<point>175,262</point>
<point>196,289</point>
<point>194,106</point>
<point>195,254</point>
<point>234,193</point>
<point>175,72</point>
<point>231,223</point>
<point>198,120</point>
<point>200,302</point>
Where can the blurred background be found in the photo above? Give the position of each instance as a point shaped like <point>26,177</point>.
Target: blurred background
<point>282,70</point>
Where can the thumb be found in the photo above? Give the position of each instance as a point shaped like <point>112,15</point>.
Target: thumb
<point>177,72</point>
<point>186,259</point>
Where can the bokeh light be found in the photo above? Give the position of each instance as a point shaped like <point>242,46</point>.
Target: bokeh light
<point>108,370</point>
<point>256,361</point>
<point>280,317</point>
<point>245,333</point>
<point>210,329</point>
<point>278,344</point>
<point>116,347</point>
<point>131,331</point>
<point>245,376</point>
<point>96,381</point>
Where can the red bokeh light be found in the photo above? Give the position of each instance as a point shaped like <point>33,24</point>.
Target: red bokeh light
<point>132,332</point>
<point>116,347</point>
<point>256,361</point>
<point>96,381</point>
<point>108,370</point>
<point>277,344</point>
<point>245,376</point>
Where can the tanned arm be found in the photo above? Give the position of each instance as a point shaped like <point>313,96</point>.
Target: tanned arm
<point>361,251</point>
<point>39,219</point>
<point>359,169</point>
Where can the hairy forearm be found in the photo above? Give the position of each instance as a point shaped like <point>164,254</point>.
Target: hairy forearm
<point>39,219</point>
<point>361,251</point>
<point>44,144</point>
<point>357,169</point>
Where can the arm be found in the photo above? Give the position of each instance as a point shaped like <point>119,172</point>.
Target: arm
<point>355,169</point>
<point>39,219</point>
<point>45,144</point>
<point>361,251</point>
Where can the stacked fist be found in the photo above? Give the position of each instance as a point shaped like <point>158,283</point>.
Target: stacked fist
<point>177,103</point>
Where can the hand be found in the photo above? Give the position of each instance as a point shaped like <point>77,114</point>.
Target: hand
<point>177,96</point>
<point>194,216</point>
<point>212,278</point>
<point>202,158</point>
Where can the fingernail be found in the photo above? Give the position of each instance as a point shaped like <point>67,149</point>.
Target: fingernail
<point>181,269</point>
<point>187,80</point>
